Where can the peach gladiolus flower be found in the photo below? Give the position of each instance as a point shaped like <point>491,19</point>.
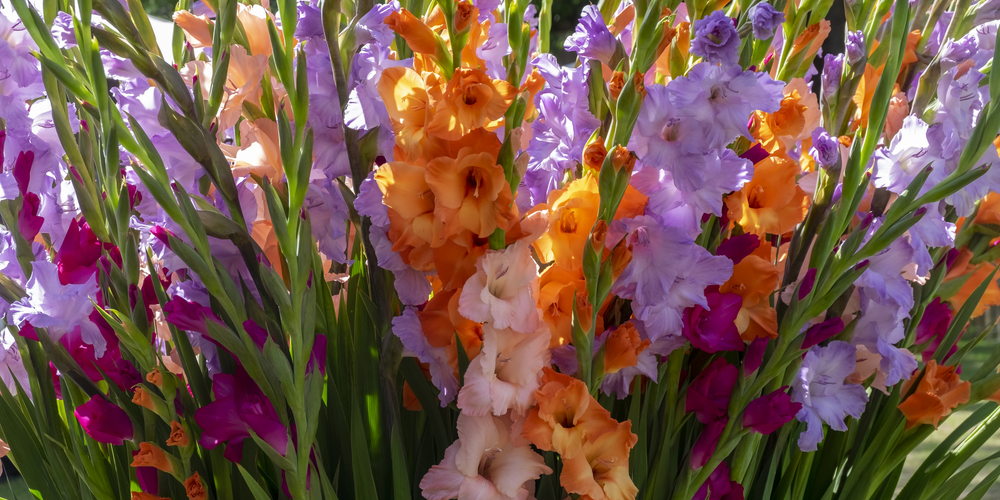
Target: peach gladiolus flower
<point>471,100</point>
<point>151,455</point>
<point>502,291</point>
<point>771,202</point>
<point>197,29</point>
<point>407,102</point>
<point>938,392</point>
<point>260,154</point>
<point>796,119</point>
<point>899,109</point>
<point>455,260</point>
<point>557,288</point>
<point>254,21</point>
<point>566,416</point>
<point>622,348</point>
<point>242,84</point>
<point>505,374</point>
<point>489,460</point>
<point>600,471</point>
<point>470,193</point>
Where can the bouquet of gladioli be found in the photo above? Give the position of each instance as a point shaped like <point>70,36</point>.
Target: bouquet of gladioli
<point>337,250</point>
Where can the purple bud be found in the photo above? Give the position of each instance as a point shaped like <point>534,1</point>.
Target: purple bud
<point>769,412</point>
<point>821,332</point>
<point>716,39</point>
<point>83,123</point>
<point>161,233</point>
<point>704,447</point>
<point>833,68</point>
<point>754,356</point>
<point>825,149</point>
<point>862,264</point>
<point>855,47</point>
<point>765,19</point>
<point>807,283</point>
<point>920,212</point>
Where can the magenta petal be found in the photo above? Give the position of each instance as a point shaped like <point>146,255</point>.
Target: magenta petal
<point>807,283</point>
<point>822,331</point>
<point>708,395</point>
<point>28,221</point>
<point>738,247</point>
<point>704,447</point>
<point>768,413</point>
<point>103,421</point>
<point>220,421</point>
<point>22,170</point>
<point>714,329</point>
<point>754,356</point>
<point>148,477</point>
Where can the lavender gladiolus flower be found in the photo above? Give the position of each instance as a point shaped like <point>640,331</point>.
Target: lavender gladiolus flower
<point>407,327</point>
<point>855,47</point>
<point>824,396</point>
<point>833,68</point>
<point>592,37</point>
<point>765,19</point>
<point>716,39</point>
<point>825,149</point>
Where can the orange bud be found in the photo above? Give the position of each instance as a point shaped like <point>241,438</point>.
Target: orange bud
<point>616,84</point>
<point>846,141</point>
<point>620,258</point>
<point>178,437</point>
<point>638,80</point>
<point>593,155</point>
<point>463,15</point>
<point>139,495</point>
<point>584,310</point>
<point>141,398</point>
<point>155,377</point>
<point>152,456</point>
<point>418,35</point>
<point>623,158</point>
<point>194,489</point>
<point>598,235</point>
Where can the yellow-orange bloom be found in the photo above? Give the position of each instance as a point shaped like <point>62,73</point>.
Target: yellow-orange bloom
<point>771,202</point>
<point>151,455</point>
<point>566,416</point>
<point>470,193</point>
<point>557,288</point>
<point>572,214</point>
<point>155,377</point>
<point>622,348</point>
<point>991,297</point>
<point>471,100</point>
<point>938,392</point>
<point>794,121</point>
<point>600,471</point>
<point>989,209</point>
<point>406,100</point>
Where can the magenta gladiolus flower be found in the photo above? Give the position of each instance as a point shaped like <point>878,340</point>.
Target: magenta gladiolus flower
<point>714,329</point>
<point>719,486</point>
<point>754,356</point>
<point>239,407</point>
<point>708,395</point>
<point>933,326</point>
<point>822,331</point>
<point>704,447</point>
<point>78,254</point>
<point>187,315</point>
<point>769,412</point>
<point>103,421</point>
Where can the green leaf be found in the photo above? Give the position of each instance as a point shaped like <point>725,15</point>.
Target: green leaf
<point>258,492</point>
<point>364,482</point>
<point>400,474</point>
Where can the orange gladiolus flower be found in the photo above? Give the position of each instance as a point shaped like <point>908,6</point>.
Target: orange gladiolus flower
<point>863,96</point>
<point>441,321</point>
<point>622,348</point>
<point>566,416</point>
<point>572,214</point>
<point>194,489</point>
<point>455,259</point>
<point>755,278</point>
<point>795,121</point>
<point>938,392</point>
<point>151,455</point>
<point>809,42</point>
<point>471,100</point>
<point>409,197</point>
<point>139,495</point>
<point>470,193</point>
<point>406,100</point>
<point>155,377</point>
<point>991,297</point>
<point>989,209</point>
<point>420,37</point>
<point>557,288</point>
<point>771,202</point>
<point>600,470</point>
<point>178,437</point>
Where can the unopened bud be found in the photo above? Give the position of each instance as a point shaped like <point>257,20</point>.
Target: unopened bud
<point>616,84</point>
<point>622,158</point>
<point>584,310</point>
<point>598,235</point>
<point>594,154</point>
<point>638,80</point>
<point>621,256</point>
<point>463,16</point>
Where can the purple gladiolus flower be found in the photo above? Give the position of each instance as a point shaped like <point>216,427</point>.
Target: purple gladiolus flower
<point>704,447</point>
<point>754,356</point>
<point>833,69</point>
<point>906,156</point>
<point>855,47</point>
<point>824,396</point>
<point>592,37</point>
<point>825,149</point>
<point>769,412</point>
<point>103,421</point>
<point>933,326</point>
<point>719,486</point>
<point>765,19</point>
<point>708,395</point>
<point>713,329</point>
<point>820,332</point>
<point>716,39</point>
<point>239,407</point>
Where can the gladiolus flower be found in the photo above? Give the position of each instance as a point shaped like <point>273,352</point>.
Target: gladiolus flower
<point>151,455</point>
<point>704,447</point>
<point>557,288</point>
<point>755,278</point>
<point>796,119</point>
<point>771,202</point>
<point>489,460</point>
<point>139,495</point>
<point>566,416</point>
<point>719,486</point>
<point>622,348</point>
<point>820,387</point>
<point>933,327</point>
<point>713,329</point>
<point>419,37</point>
<point>194,489</point>
<point>716,39</point>
<point>505,374</point>
<point>708,395</point>
<point>769,412</point>
<point>471,100</point>
<point>502,291</point>
<point>103,421</point>
<point>938,392</point>
<point>141,397</point>
<point>239,407</point>
<point>594,153</point>
<point>407,103</point>
<point>600,470</point>
<point>470,193</point>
